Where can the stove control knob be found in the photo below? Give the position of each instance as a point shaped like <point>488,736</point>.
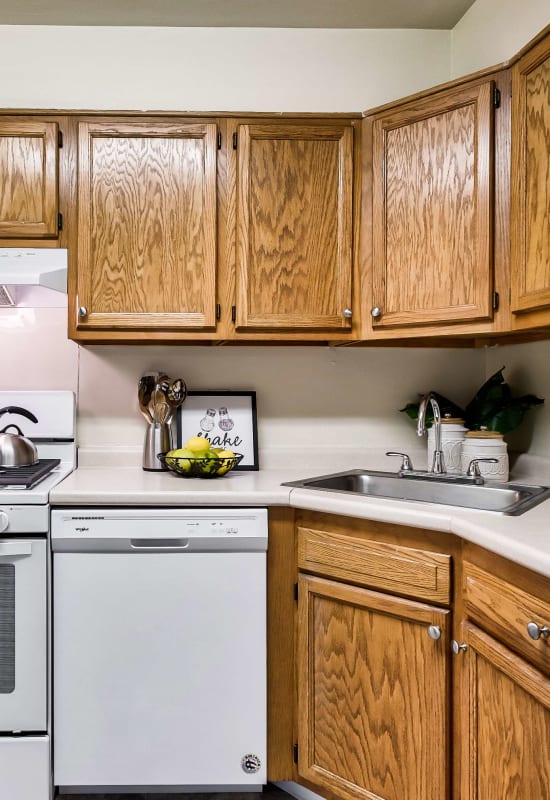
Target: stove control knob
<point>4,521</point>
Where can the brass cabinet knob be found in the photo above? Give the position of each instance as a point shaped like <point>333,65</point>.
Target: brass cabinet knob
<point>376,312</point>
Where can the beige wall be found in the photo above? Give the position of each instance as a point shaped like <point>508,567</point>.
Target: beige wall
<point>492,31</point>
<point>216,69</point>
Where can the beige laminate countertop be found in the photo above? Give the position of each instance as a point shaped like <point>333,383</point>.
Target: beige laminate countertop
<point>524,539</point>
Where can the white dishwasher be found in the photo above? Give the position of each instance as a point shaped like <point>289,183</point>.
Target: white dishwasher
<point>159,654</point>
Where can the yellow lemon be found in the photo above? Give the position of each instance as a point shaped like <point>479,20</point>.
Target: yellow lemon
<point>227,466</point>
<point>198,445</point>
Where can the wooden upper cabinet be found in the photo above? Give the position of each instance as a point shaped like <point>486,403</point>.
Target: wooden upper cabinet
<point>432,209</point>
<point>28,178</point>
<point>530,223</point>
<point>505,720</point>
<point>294,260</point>
<point>146,225</point>
<point>373,693</point>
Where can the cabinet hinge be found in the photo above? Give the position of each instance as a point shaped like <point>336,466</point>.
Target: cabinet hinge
<point>60,139</point>
<point>235,140</point>
<point>218,311</point>
<point>296,592</point>
<point>233,313</point>
<point>219,140</point>
<point>495,301</point>
<point>496,97</point>
<point>60,222</point>
<point>295,753</point>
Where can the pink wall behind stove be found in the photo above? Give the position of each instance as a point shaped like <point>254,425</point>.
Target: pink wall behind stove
<point>34,350</point>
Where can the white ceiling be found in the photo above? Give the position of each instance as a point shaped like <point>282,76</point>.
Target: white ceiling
<point>238,13</point>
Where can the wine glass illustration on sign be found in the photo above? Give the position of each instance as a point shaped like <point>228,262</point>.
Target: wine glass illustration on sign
<point>225,423</point>
<point>207,422</point>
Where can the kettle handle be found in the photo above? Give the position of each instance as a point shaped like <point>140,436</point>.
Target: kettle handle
<point>18,410</point>
<point>12,425</point>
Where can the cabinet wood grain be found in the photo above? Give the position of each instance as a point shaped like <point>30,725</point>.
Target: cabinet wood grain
<point>147,225</point>
<point>379,565</point>
<point>530,211</point>
<point>294,227</point>
<point>28,178</point>
<point>504,610</point>
<point>506,723</point>
<point>433,209</point>
<point>373,694</point>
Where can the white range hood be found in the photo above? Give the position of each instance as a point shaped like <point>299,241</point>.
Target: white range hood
<point>34,266</point>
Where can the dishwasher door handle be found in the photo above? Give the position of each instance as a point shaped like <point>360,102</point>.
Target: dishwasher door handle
<point>159,544</point>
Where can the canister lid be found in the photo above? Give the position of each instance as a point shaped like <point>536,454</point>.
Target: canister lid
<point>484,434</point>
<point>451,421</point>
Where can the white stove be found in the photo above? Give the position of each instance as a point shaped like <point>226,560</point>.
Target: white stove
<point>54,436</point>
<point>25,751</point>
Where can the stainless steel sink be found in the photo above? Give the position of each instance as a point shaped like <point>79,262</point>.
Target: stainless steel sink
<point>506,498</point>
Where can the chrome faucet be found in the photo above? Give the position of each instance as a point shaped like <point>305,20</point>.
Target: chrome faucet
<point>438,464</point>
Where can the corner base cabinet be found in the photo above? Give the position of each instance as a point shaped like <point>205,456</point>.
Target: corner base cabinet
<point>506,723</point>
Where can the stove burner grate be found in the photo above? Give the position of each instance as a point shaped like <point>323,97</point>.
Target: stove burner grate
<point>27,477</point>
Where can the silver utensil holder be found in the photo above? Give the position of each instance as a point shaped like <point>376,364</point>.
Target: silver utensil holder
<point>158,439</point>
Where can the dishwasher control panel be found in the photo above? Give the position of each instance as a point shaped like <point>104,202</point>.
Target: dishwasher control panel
<point>117,529</point>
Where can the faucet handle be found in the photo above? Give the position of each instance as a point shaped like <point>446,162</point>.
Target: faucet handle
<point>406,464</point>
<point>473,470</point>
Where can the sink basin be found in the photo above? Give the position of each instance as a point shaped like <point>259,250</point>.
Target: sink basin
<point>506,498</point>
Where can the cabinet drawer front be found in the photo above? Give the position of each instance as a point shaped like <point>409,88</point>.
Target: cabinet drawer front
<point>505,611</point>
<point>403,570</point>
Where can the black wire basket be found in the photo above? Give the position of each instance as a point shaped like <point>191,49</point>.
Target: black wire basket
<point>201,466</point>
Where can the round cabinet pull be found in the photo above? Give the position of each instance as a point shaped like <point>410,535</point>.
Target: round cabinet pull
<point>376,312</point>
<point>4,521</point>
<point>348,313</point>
<point>457,648</point>
<point>434,632</point>
<point>82,312</point>
<point>536,631</point>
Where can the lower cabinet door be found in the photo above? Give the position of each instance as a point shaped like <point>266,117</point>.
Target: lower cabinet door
<point>505,716</point>
<point>373,693</point>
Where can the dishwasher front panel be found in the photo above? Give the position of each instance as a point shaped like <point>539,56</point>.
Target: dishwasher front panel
<point>159,669</point>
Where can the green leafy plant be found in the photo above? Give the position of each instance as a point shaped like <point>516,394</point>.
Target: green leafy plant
<point>492,407</point>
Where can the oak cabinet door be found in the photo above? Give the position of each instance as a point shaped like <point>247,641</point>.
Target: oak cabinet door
<point>530,207</point>
<point>146,225</point>
<point>28,178</point>
<point>505,715</point>
<point>373,693</point>
<point>294,227</point>
<point>432,209</point>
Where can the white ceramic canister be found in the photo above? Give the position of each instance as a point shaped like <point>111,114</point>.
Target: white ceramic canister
<point>486,444</point>
<point>452,437</point>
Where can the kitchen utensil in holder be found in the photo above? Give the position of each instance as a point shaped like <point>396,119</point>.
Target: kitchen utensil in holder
<point>158,439</point>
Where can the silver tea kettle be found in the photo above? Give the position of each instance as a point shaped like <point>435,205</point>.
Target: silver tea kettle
<point>15,449</point>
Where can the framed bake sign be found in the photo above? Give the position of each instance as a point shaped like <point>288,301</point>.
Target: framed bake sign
<point>227,419</point>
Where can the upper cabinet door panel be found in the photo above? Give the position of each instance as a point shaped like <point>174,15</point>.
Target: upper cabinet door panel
<point>432,209</point>
<point>28,178</point>
<point>294,218</point>
<point>530,229</point>
<point>147,225</point>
